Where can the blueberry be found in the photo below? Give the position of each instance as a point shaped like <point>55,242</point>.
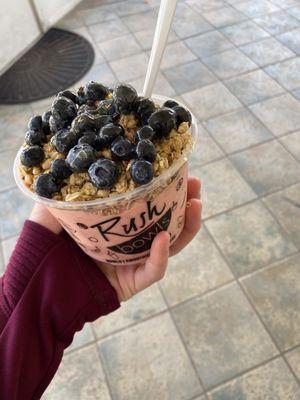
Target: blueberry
<point>32,156</point>
<point>124,97</point>
<point>35,137</point>
<point>64,140</point>
<point>170,104</point>
<point>103,173</point>
<point>60,169</point>
<point>63,109</point>
<point>81,157</point>
<point>146,132</point>
<point>110,132</point>
<point>182,115</point>
<point>92,139</point>
<point>107,107</point>
<point>163,121</point>
<point>57,124</point>
<point>144,108</point>
<point>90,110</point>
<point>69,95</point>
<point>83,123</point>
<point>46,116</point>
<point>46,185</point>
<point>141,172</point>
<point>103,120</point>
<point>146,150</point>
<point>94,91</point>
<point>80,96</point>
<point>45,122</point>
<point>122,149</point>
<point>35,123</point>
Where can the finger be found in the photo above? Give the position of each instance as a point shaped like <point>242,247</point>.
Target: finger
<point>194,188</point>
<point>155,267</point>
<point>191,226</point>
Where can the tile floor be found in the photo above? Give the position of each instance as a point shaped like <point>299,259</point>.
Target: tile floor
<point>225,322</point>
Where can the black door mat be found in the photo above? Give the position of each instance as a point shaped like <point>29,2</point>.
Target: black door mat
<point>56,62</point>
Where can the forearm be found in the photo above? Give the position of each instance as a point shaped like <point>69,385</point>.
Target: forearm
<point>50,289</point>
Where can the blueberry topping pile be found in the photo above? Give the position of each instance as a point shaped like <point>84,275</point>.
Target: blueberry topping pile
<point>87,130</point>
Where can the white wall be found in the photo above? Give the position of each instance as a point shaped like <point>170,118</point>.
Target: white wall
<point>18,30</point>
<point>50,11</point>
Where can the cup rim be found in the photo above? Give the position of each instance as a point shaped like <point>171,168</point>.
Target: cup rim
<point>106,201</point>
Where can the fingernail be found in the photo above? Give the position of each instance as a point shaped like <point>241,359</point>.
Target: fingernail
<point>188,204</point>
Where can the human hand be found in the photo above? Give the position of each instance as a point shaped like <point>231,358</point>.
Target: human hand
<point>42,216</point>
<point>128,280</point>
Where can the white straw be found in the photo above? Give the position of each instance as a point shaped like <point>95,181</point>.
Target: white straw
<point>163,26</point>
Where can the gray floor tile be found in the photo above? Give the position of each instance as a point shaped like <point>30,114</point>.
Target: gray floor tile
<point>281,114</point>
<point>291,40</point>
<point>8,246</point>
<point>254,87</point>
<point>267,51</point>
<point>296,94</point>
<point>6,169</point>
<point>293,358</point>
<point>285,205</point>
<point>188,22</point>
<point>162,86</point>
<point>145,38</point>
<point>208,44</point>
<point>125,8</point>
<point>292,143</point>
<point>223,334</point>
<point>271,381</point>
<point>79,376</point>
<point>101,73</point>
<point>244,33</point>
<point>195,270</point>
<point>81,338</point>
<point>95,15</point>
<point>206,150</point>
<point>229,63</point>
<point>250,238</point>
<point>223,17</point>
<point>295,11</point>
<point>255,8</point>
<point>40,106</point>
<point>139,22</point>
<point>187,77</point>
<point>223,188</point>
<point>13,125</point>
<point>15,209</point>
<point>278,22</point>
<point>211,101</point>
<point>149,354</point>
<point>108,30</point>
<point>237,130</point>
<point>130,68</point>
<point>285,3</point>
<point>176,53</point>
<point>286,73</point>
<point>142,306</point>
<point>205,5</point>
<point>117,48</point>
<point>267,167</point>
<point>275,293</point>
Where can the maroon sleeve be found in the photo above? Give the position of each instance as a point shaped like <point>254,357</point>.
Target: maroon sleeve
<point>49,290</point>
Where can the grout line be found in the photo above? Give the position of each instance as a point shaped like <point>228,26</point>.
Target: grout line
<point>105,372</point>
<point>253,200</point>
<point>240,374</point>
<point>183,343</point>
